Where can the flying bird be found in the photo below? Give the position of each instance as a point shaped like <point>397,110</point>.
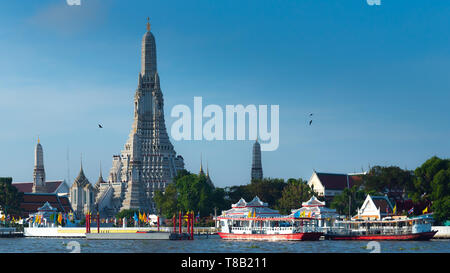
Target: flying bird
<point>311,114</point>
<point>310,122</point>
<point>100,126</point>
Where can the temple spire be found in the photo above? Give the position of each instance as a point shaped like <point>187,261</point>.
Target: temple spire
<point>201,165</point>
<point>148,24</point>
<point>38,172</point>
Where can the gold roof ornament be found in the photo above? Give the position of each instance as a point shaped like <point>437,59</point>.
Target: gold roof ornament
<point>148,24</point>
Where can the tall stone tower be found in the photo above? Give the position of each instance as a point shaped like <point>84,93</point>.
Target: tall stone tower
<point>257,172</point>
<point>38,171</point>
<point>148,162</point>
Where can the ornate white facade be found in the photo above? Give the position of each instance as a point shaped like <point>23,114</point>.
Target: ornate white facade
<point>148,161</point>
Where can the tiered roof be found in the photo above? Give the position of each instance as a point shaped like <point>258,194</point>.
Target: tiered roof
<point>314,208</point>
<point>50,186</point>
<point>255,208</point>
<point>32,202</point>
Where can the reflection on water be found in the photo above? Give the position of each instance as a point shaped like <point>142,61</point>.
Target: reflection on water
<point>215,244</point>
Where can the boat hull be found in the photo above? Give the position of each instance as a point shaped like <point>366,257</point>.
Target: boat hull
<point>423,236</point>
<point>309,236</point>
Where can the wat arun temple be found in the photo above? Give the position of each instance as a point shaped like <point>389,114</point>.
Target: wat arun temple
<point>148,162</point>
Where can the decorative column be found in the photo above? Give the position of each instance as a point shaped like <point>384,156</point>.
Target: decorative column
<point>180,222</point>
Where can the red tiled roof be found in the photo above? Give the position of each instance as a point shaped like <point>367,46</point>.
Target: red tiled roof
<point>24,187</point>
<point>51,186</point>
<point>33,201</point>
<point>383,204</point>
<point>332,181</point>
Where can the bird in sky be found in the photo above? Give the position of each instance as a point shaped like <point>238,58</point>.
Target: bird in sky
<point>311,114</point>
<point>100,126</point>
<point>310,122</point>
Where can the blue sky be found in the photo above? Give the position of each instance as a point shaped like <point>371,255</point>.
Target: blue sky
<point>376,78</point>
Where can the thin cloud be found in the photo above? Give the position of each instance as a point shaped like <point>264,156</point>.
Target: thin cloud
<point>63,19</point>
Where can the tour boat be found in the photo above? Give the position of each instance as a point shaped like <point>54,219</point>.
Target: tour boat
<point>417,228</point>
<point>255,221</point>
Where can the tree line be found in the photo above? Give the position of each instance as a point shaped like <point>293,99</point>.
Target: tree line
<point>428,184</point>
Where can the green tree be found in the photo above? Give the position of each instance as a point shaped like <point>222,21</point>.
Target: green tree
<point>127,213</point>
<point>388,179</point>
<point>293,195</point>
<point>424,175</point>
<point>167,201</point>
<point>352,198</point>
<point>10,197</point>
<point>268,190</point>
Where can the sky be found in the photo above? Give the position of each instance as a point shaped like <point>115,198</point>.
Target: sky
<point>377,79</point>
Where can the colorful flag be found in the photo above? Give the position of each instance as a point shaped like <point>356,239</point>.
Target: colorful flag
<point>135,217</point>
<point>411,210</point>
<point>249,213</point>
<point>395,209</point>
<point>254,213</point>
<point>425,210</point>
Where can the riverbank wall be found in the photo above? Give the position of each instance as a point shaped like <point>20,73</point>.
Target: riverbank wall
<point>443,232</point>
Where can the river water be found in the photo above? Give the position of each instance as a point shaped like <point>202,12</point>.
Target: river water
<point>213,244</point>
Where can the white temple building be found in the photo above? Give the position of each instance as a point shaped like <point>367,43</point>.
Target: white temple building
<point>148,162</point>
<point>374,208</point>
<point>82,195</point>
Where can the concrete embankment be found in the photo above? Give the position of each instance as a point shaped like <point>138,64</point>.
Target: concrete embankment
<point>443,232</point>
<point>10,232</point>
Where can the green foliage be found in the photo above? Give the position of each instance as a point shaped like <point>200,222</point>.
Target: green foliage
<point>190,192</point>
<point>381,179</point>
<point>127,213</point>
<point>425,174</point>
<point>10,197</point>
<point>167,202</point>
<point>268,190</point>
<point>293,195</point>
<point>431,183</point>
<point>441,209</point>
<point>353,197</point>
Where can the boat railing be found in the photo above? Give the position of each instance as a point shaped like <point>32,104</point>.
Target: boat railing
<point>278,229</point>
<point>371,231</point>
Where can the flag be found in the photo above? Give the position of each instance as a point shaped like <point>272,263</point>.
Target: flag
<point>297,214</point>
<point>60,218</point>
<point>249,213</point>
<point>309,215</point>
<point>425,210</point>
<point>302,214</point>
<point>411,210</point>
<point>136,219</point>
<point>395,209</point>
<point>140,216</point>
<point>254,213</point>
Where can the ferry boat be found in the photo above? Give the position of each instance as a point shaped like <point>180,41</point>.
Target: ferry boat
<point>255,221</point>
<point>416,228</point>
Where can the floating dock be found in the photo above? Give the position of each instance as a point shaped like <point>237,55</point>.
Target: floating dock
<point>137,236</point>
